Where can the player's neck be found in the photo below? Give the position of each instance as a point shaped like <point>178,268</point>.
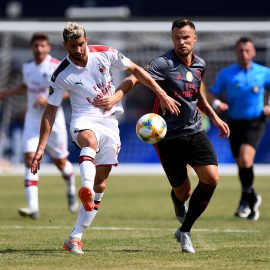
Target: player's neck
<point>185,59</point>
<point>39,60</point>
<point>81,63</point>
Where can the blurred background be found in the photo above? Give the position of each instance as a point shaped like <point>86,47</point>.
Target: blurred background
<point>141,31</point>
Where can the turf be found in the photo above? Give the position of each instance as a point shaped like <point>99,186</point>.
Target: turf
<point>133,230</point>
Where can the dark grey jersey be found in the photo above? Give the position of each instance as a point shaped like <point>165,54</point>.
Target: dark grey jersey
<point>182,83</point>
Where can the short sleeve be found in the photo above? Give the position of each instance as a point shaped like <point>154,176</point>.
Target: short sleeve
<point>56,94</point>
<point>158,69</point>
<point>120,61</point>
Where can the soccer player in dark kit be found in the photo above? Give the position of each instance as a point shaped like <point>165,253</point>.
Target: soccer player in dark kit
<point>179,72</point>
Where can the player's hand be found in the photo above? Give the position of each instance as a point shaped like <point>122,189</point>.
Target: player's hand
<point>106,103</point>
<point>170,104</point>
<point>222,126</point>
<point>40,102</point>
<point>35,166</point>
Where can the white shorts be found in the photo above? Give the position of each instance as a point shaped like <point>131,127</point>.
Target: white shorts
<point>57,145</point>
<point>107,133</point>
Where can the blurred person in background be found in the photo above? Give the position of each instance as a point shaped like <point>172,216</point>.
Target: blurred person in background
<point>36,75</point>
<point>243,85</point>
<point>179,72</point>
<point>85,74</point>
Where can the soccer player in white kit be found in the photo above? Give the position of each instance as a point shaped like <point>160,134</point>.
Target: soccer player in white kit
<point>36,75</point>
<point>85,75</point>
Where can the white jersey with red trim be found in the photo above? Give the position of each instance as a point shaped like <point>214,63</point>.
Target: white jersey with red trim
<point>36,77</point>
<point>87,84</point>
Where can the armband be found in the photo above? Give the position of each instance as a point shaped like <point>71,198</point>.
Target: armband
<point>216,103</point>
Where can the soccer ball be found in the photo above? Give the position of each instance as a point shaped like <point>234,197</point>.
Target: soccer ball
<point>151,128</point>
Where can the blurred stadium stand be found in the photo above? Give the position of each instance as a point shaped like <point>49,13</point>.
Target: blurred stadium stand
<point>144,9</point>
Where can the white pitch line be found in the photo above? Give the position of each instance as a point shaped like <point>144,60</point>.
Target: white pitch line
<point>20,227</point>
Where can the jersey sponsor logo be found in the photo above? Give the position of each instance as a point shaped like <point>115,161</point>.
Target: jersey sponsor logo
<point>190,92</point>
<point>51,90</point>
<point>102,91</point>
<point>38,90</point>
<point>189,76</point>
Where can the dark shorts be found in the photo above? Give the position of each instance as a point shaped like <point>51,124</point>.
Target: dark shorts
<point>245,132</point>
<point>175,154</point>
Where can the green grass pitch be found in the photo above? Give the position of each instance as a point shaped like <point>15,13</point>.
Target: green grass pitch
<point>133,230</point>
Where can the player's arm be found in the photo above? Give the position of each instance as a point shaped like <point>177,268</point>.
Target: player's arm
<point>45,130</point>
<point>216,103</point>
<point>107,103</point>
<point>20,90</point>
<point>205,107</point>
<point>266,108</point>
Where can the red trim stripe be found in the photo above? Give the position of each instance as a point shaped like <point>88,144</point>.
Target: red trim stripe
<point>86,158</point>
<point>156,105</point>
<point>28,183</point>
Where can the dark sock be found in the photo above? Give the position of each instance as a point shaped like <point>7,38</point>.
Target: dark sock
<point>198,202</point>
<point>246,176</point>
<point>175,199</point>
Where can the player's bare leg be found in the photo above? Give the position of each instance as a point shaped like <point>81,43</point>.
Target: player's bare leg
<point>67,171</point>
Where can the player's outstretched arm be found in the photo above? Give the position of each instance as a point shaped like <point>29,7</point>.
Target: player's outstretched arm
<point>166,101</point>
<point>205,107</point>
<point>107,102</point>
<point>45,130</point>
<point>20,90</point>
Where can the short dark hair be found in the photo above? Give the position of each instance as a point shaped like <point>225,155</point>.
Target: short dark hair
<point>243,40</point>
<point>180,23</point>
<point>39,36</point>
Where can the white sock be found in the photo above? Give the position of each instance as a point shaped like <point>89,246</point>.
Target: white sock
<point>87,167</point>
<point>31,189</point>
<point>85,218</point>
<point>69,177</point>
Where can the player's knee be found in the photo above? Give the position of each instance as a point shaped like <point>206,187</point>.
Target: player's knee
<point>60,163</point>
<point>213,179</point>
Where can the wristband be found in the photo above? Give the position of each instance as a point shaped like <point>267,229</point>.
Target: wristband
<point>216,103</point>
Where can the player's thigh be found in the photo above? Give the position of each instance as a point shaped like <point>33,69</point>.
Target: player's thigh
<point>172,158</point>
<point>57,145</point>
<point>84,132</point>
<point>109,143</point>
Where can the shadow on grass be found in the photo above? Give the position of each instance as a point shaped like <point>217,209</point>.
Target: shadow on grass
<point>30,251</point>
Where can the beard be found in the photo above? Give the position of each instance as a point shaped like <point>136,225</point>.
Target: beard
<point>78,56</point>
